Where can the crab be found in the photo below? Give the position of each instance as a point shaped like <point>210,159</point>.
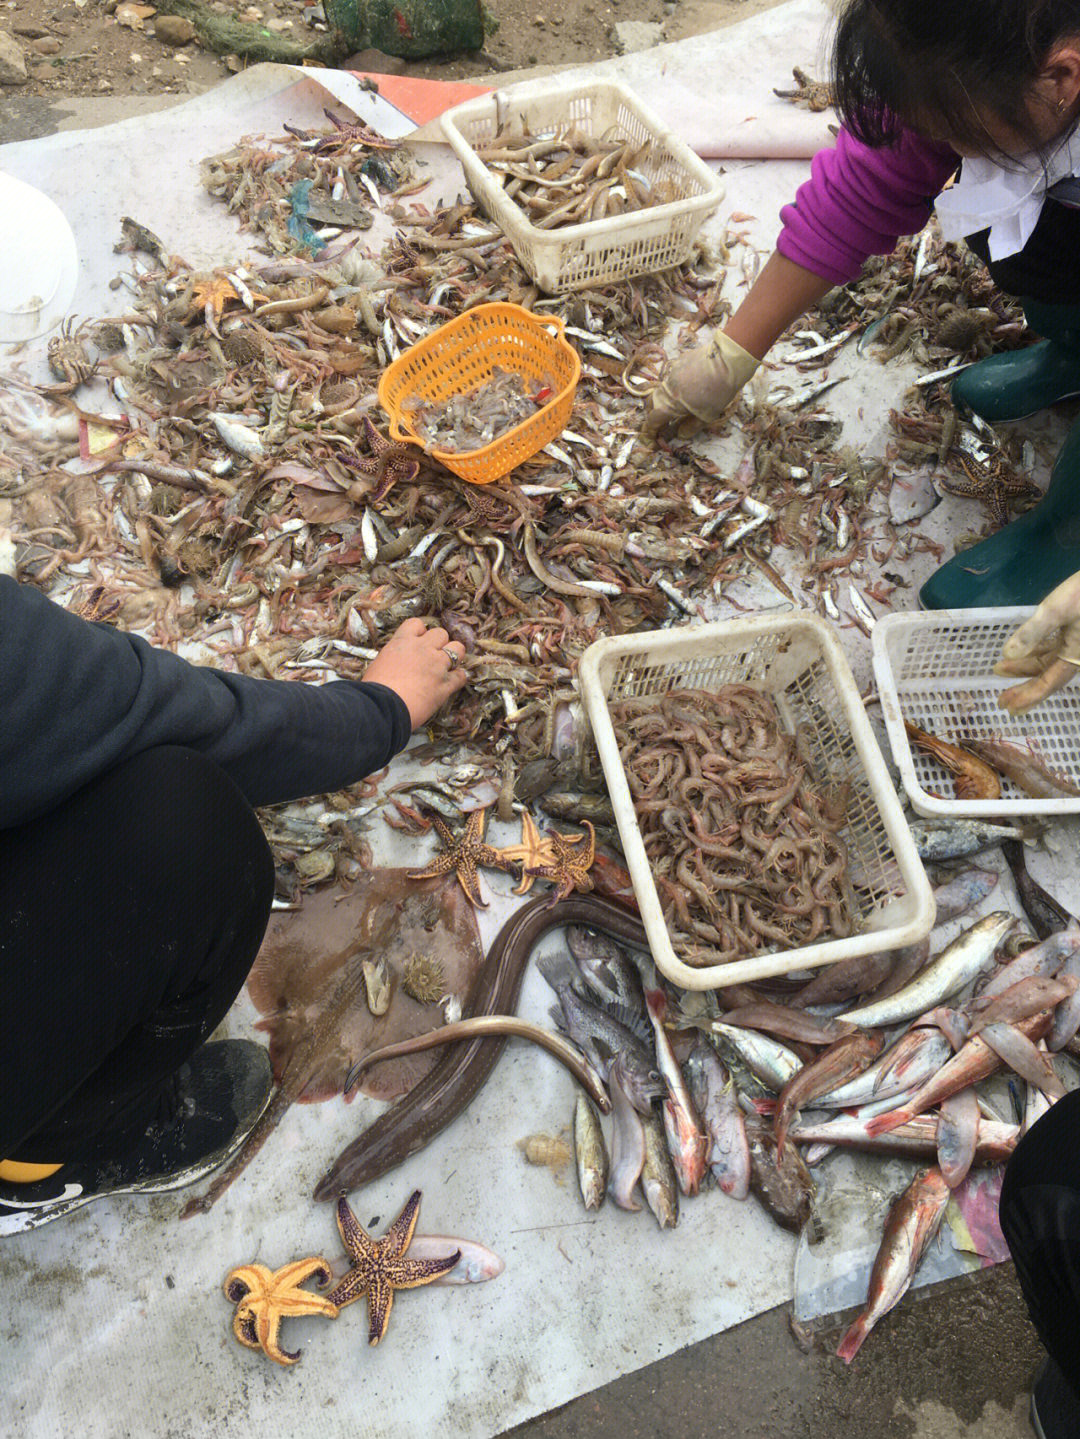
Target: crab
<point>68,357</point>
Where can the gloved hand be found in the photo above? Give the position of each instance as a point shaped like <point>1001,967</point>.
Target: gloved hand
<point>701,384</point>
<point>1047,647</point>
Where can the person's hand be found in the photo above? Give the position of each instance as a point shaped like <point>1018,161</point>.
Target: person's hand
<point>700,384</point>
<point>423,666</point>
<point>1046,647</point>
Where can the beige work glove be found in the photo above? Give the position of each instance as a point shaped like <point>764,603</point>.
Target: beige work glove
<point>700,384</point>
<point>1046,647</point>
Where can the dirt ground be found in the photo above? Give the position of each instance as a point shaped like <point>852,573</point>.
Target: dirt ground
<point>109,47</point>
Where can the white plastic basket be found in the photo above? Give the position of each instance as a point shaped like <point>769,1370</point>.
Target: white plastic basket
<point>798,662</point>
<point>936,669</point>
<point>599,251</point>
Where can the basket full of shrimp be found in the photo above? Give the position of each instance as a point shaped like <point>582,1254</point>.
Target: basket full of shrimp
<point>761,829</point>
<point>585,182</point>
<point>961,752</point>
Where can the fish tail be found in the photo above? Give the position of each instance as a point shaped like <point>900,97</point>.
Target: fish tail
<point>852,1341</point>
<point>883,1123</point>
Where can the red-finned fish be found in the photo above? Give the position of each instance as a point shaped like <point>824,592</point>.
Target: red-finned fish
<point>1021,1055</point>
<point>917,1138</point>
<point>1051,956</point>
<point>844,1060</point>
<point>687,1140</point>
<point>627,1140</point>
<point>1020,1000</point>
<point>974,1062</point>
<point>911,1061</point>
<point>787,1023</point>
<point>957,1135</point>
<point>713,1091</point>
<point>912,1222</point>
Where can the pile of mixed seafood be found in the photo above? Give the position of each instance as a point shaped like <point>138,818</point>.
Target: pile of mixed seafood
<point>210,468</point>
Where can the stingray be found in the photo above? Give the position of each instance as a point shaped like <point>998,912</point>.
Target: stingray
<point>308,954</point>
<point>308,983</point>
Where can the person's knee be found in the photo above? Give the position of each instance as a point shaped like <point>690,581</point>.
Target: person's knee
<point>184,814</point>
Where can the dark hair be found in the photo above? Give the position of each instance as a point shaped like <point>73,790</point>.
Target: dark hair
<point>939,64</point>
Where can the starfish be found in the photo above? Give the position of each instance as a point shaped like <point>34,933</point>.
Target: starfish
<point>569,870</point>
<point>464,854</point>
<point>379,1265</point>
<point>264,1297</point>
<point>535,849</point>
<point>992,485</point>
<point>388,462</point>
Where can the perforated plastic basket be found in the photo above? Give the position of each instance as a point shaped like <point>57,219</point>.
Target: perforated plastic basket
<point>936,669</point>
<point>599,251</point>
<point>798,662</point>
<point>459,356</point>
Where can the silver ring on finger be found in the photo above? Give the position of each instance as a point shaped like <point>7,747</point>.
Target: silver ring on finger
<point>452,656</point>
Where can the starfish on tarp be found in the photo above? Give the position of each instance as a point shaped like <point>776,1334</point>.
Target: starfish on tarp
<point>464,854</point>
<point>569,869</point>
<point>380,1266</point>
<point>535,849</point>
<point>265,1297</point>
<point>387,463</point>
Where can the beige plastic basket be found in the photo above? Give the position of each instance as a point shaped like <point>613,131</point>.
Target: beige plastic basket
<point>599,251</point>
<point>798,662</point>
<point>936,669</point>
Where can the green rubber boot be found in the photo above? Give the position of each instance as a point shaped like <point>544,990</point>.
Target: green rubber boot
<point>1022,563</point>
<point>1021,382</point>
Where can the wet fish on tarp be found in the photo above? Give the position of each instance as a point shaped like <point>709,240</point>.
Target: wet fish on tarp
<point>786,1022</point>
<point>941,839</point>
<point>913,1220</point>
<point>686,1136</point>
<point>957,1135</point>
<point>975,1061</point>
<point>714,1095</point>
<point>1067,1015</point>
<point>909,1062</point>
<point>659,1182</point>
<point>772,1062</point>
<point>1041,908</point>
<point>957,965</point>
<point>610,974</point>
<point>602,1037</point>
<point>917,1138</point>
<point>785,1186</point>
<point>627,1141</point>
<point>1020,1001</point>
<point>845,1059</point>
<point>590,1154</point>
<point>1048,957</point>
<point>1015,1049</point>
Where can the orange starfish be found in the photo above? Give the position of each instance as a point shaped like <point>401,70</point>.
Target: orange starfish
<point>535,849</point>
<point>264,1297</point>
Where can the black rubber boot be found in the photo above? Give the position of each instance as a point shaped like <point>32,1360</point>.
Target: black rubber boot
<point>1055,1409</point>
<point>1022,563</point>
<point>215,1101</point>
<point>1022,382</point>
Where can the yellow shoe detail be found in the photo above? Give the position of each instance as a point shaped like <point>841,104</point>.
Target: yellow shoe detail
<point>14,1172</point>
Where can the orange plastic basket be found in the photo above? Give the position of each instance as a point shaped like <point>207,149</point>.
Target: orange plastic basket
<point>460,356</point>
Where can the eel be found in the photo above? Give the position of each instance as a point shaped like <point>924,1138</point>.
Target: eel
<point>451,1086</point>
<point>487,1024</point>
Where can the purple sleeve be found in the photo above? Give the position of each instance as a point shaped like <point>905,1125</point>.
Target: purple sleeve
<point>859,201</point>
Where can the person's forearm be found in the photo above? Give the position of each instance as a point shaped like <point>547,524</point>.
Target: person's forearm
<point>780,294</point>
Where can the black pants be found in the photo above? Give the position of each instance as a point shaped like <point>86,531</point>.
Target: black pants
<point>1040,1218</point>
<point>129,918</point>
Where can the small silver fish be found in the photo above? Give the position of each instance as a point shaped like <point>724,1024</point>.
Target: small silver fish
<point>772,1062</point>
<point>658,1180</point>
<point>590,1153</point>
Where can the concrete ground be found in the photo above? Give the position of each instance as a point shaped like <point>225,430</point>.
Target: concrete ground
<point>953,1362</point>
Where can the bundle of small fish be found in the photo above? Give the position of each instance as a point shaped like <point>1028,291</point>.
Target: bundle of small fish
<point>572,177</point>
<point>746,851</point>
<point>476,417</point>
